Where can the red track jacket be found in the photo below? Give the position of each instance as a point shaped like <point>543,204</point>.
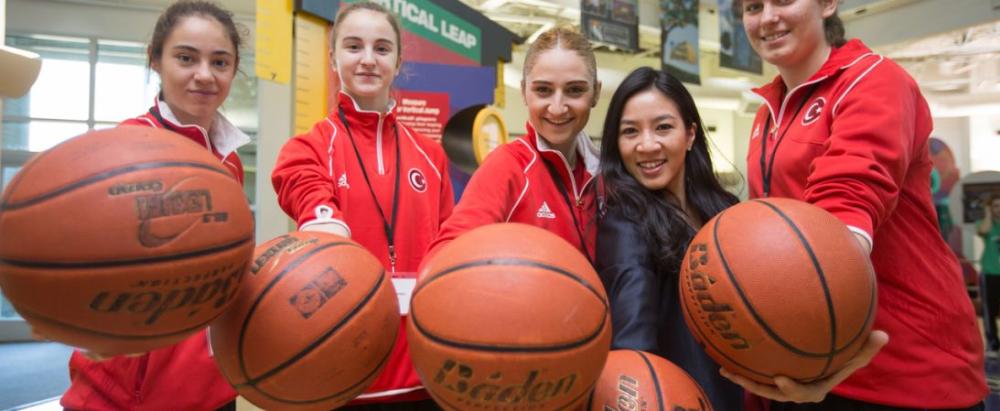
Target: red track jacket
<point>319,180</point>
<point>858,149</point>
<point>179,377</point>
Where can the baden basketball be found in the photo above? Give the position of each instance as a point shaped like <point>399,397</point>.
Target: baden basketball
<point>123,240</point>
<point>778,287</point>
<point>635,380</point>
<point>312,326</point>
<point>509,317</point>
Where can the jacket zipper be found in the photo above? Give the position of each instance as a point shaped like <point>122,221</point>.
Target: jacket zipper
<point>378,144</point>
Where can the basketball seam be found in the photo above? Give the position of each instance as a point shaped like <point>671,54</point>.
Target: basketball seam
<point>329,397</point>
<point>656,381</point>
<point>119,263</point>
<point>253,308</point>
<point>822,279</point>
<point>746,302</point>
<point>502,348</point>
<point>104,175</point>
<point>333,330</point>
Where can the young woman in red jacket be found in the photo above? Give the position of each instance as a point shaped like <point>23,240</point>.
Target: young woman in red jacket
<point>847,130</point>
<point>546,178</point>
<point>362,174</point>
<point>195,51</point>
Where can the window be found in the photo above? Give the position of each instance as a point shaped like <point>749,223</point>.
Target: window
<point>90,84</point>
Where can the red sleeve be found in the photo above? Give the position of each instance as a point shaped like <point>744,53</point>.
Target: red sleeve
<point>447,193</point>
<point>487,198</point>
<point>859,175</point>
<point>303,181</point>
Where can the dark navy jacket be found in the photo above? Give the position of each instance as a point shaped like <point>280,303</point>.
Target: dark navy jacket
<point>646,313</point>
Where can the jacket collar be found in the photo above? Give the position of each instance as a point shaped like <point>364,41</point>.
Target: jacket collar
<point>224,139</point>
<point>585,148</point>
<point>840,58</point>
<point>366,118</point>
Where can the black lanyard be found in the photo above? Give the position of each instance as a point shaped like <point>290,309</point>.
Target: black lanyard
<point>565,195</point>
<point>389,227</point>
<point>767,167</point>
<point>156,114</point>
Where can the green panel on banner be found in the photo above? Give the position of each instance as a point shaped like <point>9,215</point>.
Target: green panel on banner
<point>430,21</point>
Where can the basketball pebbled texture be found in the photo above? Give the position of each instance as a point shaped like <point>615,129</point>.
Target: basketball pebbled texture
<point>123,240</point>
<point>778,287</point>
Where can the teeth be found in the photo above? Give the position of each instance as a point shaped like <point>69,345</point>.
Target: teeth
<point>651,164</point>
<point>773,36</point>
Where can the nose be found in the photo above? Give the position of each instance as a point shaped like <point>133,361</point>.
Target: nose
<point>769,14</point>
<point>368,57</point>
<point>558,104</point>
<point>647,142</point>
<point>204,72</point>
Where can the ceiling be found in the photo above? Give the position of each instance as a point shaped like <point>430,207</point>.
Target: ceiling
<point>953,51</point>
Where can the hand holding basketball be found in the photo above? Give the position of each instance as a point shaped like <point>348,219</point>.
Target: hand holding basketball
<point>788,390</point>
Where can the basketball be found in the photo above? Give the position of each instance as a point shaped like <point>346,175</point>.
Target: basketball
<point>509,317</point>
<point>311,328</point>
<point>778,287</point>
<point>123,240</point>
<point>635,380</point>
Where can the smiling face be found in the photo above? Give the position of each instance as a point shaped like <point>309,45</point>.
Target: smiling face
<point>366,57</point>
<point>559,92</point>
<point>654,141</point>
<point>787,33</point>
<point>196,69</point>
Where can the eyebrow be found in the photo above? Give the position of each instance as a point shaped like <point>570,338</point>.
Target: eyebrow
<point>655,120</point>
<point>572,82</point>
<point>356,38</point>
<point>195,50</point>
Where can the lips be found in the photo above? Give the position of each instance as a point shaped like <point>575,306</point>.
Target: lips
<point>774,36</point>
<point>560,122</point>
<point>651,165</point>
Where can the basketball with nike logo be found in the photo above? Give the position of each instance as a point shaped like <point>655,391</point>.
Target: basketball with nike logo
<point>776,286</point>
<point>123,240</point>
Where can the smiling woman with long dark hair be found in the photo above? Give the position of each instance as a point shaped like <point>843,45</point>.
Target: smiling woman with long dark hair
<point>661,188</point>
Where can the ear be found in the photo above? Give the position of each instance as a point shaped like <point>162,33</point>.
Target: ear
<point>692,132</point>
<point>597,94</point>
<point>829,7</point>
<point>333,61</point>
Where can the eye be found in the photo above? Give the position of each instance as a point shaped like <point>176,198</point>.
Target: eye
<point>542,90</point>
<point>383,49</point>
<point>664,127</point>
<point>184,58</point>
<point>752,7</point>
<point>577,90</point>
<point>352,47</point>
<point>221,63</point>
<point>628,131</point>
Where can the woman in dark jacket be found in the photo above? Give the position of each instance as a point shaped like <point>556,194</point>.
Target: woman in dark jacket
<point>660,189</point>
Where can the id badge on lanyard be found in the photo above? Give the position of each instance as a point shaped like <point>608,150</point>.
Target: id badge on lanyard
<point>404,282</point>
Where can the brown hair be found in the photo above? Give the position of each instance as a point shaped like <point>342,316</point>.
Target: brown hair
<point>833,27</point>
<point>370,6</point>
<point>566,38</point>
<point>186,8</point>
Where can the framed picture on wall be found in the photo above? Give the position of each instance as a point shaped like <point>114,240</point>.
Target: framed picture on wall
<point>974,196</point>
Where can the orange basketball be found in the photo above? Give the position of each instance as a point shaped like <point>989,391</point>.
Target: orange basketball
<point>509,317</point>
<point>635,380</point>
<point>311,328</point>
<point>778,287</point>
<point>123,240</point>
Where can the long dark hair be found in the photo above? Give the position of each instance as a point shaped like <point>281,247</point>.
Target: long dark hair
<point>663,222</point>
